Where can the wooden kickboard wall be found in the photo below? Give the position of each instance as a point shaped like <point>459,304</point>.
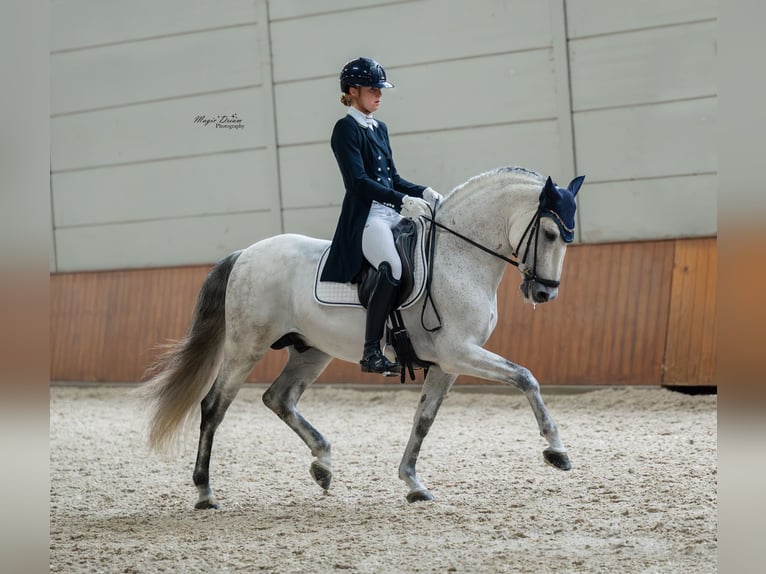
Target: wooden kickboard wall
<point>627,313</point>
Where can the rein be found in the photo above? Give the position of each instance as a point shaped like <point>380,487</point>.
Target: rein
<point>474,243</point>
<point>533,229</point>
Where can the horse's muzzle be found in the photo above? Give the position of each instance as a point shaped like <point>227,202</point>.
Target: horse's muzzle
<point>535,292</point>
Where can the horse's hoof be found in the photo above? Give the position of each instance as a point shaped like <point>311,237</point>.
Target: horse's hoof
<point>207,504</point>
<point>321,473</point>
<point>559,460</point>
<point>419,496</point>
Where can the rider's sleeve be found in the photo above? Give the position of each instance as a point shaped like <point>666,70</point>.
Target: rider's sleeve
<point>346,146</point>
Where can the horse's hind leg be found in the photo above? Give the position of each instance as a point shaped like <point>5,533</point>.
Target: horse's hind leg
<point>282,397</point>
<point>436,386</point>
<point>230,378</point>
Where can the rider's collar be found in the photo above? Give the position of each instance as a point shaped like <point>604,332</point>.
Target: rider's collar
<point>361,119</point>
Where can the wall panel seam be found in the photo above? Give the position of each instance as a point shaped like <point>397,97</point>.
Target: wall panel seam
<point>709,96</point>
<point>643,29</point>
<point>151,38</point>
<point>434,131</point>
<point>272,107</point>
<point>52,222</point>
<point>652,177</point>
<point>157,159</point>
<point>313,206</point>
<point>154,101</point>
<point>563,85</point>
<point>110,223</point>
<point>426,63</point>
<point>339,11</point>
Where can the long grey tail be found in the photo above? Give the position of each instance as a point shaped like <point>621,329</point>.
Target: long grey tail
<point>185,372</point>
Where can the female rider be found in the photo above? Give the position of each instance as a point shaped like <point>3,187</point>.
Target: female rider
<point>376,199</point>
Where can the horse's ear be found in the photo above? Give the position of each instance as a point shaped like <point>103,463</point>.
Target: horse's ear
<point>549,186</point>
<point>575,184</point>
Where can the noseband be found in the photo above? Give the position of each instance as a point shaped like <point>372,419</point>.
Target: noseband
<point>533,229</point>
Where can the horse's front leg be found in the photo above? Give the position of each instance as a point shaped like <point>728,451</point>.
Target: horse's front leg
<point>435,388</point>
<point>476,361</point>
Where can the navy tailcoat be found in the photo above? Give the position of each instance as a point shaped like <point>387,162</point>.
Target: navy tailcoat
<point>367,166</point>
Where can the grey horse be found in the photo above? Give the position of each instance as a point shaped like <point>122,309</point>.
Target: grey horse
<point>263,294</point>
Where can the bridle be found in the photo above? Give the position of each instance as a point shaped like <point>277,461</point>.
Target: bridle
<point>531,232</point>
<point>533,228</point>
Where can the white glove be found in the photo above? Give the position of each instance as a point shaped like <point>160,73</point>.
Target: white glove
<point>432,196</point>
<point>414,207</point>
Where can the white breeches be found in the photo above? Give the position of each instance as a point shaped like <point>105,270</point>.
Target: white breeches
<point>378,242</point>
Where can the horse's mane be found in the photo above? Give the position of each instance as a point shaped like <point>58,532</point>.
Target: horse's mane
<point>521,175</point>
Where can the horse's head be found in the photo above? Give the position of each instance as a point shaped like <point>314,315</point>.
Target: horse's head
<point>543,245</point>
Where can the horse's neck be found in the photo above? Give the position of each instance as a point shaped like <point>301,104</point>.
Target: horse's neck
<point>494,213</point>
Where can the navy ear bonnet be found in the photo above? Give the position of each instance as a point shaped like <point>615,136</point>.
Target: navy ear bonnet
<point>558,203</point>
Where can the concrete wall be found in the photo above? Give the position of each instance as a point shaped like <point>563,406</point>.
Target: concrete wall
<point>621,92</point>
<point>644,108</point>
<point>135,181</point>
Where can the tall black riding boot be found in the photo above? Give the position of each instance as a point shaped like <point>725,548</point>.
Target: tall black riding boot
<point>379,306</point>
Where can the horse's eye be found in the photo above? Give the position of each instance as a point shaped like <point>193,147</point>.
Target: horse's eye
<point>550,236</point>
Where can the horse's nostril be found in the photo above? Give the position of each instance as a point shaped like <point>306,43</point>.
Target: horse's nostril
<point>542,296</point>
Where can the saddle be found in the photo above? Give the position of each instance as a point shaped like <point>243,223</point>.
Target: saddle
<point>409,237</point>
<point>405,239</point>
<point>410,245</point>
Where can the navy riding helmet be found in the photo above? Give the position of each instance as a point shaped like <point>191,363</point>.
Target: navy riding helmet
<point>363,72</point>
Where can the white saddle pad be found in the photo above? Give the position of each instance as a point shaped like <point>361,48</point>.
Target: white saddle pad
<point>346,295</point>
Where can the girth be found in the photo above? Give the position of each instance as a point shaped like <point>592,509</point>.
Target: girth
<point>405,239</point>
